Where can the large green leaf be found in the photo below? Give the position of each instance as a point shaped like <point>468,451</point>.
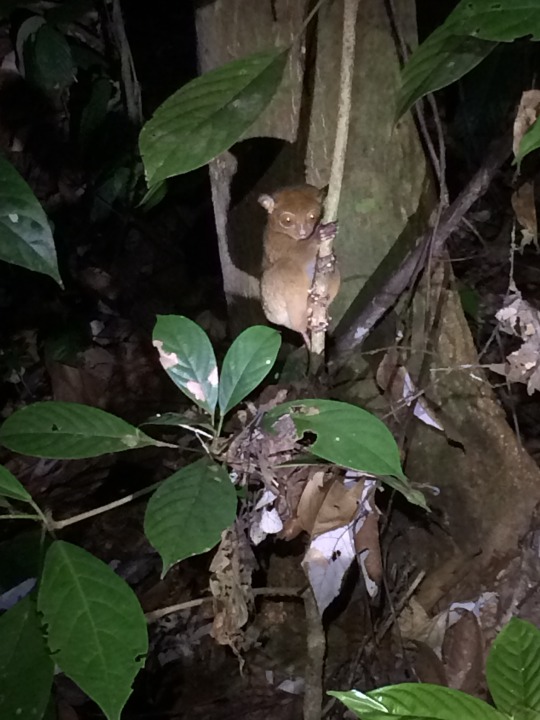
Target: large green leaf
<point>513,668</point>
<point>25,235</point>
<point>467,36</point>
<point>26,669</point>
<point>187,355</point>
<point>189,511</point>
<point>414,701</point>
<point>208,115</point>
<point>66,430</point>
<point>499,20</point>
<point>347,436</point>
<point>10,487</point>
<point>47,59</point>
<point>96,627</point>
<point>441,60</point>
<point>247,362</point>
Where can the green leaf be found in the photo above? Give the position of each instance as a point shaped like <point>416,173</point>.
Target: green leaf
<point>25,235</point>
<point>529,142</point>
<point>401,485</point>
<point>47,59</point>
<point>358,702</point>
<point>112,187</point>
<point>347,436</point>
<point>96,628</point>
<point>26,669</point>
<point>500,20</point>
<point>439,61</point>
<point>247,362</point>
<point>470,302</point>
<point>10,487</point>
<point>64,430</point>
<point>95,110</point>
<point>187,355</point>
<point>467,36</point>
<point>172,419</point>
<point>68,12</point>
<point>414,701</point>
<point>208,115</point>
<point>21,557</point>
<point>189,511</point>
<point>7,6</point>
<point>153,196</point>
<point>513,668</point>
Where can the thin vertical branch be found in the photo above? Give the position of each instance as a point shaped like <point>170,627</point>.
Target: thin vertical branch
<point>319,290</point>
<point>132,90</point>
<point>316,651</point>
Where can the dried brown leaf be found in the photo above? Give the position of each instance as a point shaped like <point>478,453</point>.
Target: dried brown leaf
<point>230,584</point>
<point>338,507</point>
<point>527,113</point>
<point>463,655</point>
<point>524,205</point>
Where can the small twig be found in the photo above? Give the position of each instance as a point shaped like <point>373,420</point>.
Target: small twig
<point>397,609</point>
<point>438,160</point>
<point>21,516</point>
<point>59,524</point>
<point>413,264</point>
<point>308,19</point>
<point>132,90</point>
<point>316,651</point>
<point>170,609</point>
<point>318,302</point>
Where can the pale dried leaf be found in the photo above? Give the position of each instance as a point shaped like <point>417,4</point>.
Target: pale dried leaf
<point>395,380</point>
<point>519,318</point>
<point>326,562</point>
<point>527,113</point>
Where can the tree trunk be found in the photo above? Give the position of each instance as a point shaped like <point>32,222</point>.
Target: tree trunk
<point>386,200</point>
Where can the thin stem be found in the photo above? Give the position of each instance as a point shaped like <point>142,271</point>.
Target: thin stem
<point>331,205</point>
<point>132,90</point>
<point>59,524</point>
<point>219,427</point>
<point>44,519</point>
<point>319,291</point>
<point>316,651</point>
<point>308,19</point>
<point>21,516</point>
<point>154,615</point>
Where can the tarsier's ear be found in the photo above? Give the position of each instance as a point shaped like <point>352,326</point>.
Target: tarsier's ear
<point>323,192</point>
<point>268,203</point>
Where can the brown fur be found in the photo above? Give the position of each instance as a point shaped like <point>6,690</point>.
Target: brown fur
<point>290,251</point>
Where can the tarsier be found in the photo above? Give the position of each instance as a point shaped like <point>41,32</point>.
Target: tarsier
<point>290,244</point>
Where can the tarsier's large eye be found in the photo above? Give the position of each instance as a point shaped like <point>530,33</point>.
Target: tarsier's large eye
<point>286,220</point>
<point>311,216</point>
